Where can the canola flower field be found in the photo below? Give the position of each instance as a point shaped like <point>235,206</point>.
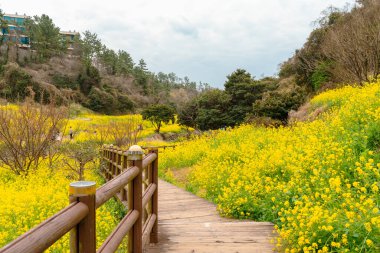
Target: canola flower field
<point>26,201</point>
<point>318,181</point>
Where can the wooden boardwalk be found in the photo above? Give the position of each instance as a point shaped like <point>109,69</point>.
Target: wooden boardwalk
<point>189,224</point>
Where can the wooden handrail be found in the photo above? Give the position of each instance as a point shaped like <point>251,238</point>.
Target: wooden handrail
<point>46,233</point>
<point>113,186</point>
<point>148,227</point>
<point>79,216</point>
<point>150,190</point>
<point>116,237</point>
<point>148,159</point>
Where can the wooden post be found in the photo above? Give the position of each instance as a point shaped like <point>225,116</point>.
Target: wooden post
<point>135,154</point>
<point>109,177</point>
<point>83,237</point>
<point>154,233</point>
<point>119,156</point>
<point>124,166</point>
<point>130,207</point>
<point>113,161</point>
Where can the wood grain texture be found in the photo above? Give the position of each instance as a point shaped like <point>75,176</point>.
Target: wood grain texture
<point>189,224</point>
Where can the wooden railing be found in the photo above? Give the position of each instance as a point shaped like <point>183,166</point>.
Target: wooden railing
<point>133,179</point>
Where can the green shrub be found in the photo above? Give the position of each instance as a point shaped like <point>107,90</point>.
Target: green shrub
<point>64,81</point>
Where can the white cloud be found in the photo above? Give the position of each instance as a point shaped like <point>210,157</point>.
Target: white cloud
<point>203,39</point>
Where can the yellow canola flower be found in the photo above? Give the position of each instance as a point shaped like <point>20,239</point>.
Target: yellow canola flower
<point>317,181</point>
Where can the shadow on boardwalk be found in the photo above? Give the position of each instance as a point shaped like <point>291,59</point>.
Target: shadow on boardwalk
<point>189,224</point>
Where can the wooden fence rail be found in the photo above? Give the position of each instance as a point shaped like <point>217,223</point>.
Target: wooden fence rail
<point>132,178</point>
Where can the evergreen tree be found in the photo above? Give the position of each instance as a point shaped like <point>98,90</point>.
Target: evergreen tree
<point>44,37</point>
<point>142,76</point>
<point>124,64</point>
<point>91,47</point>
<point>3,27</point>
<point>157,114</point>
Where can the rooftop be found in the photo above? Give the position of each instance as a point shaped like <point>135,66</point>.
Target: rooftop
<point>16,16</point>
<point>69,33</point>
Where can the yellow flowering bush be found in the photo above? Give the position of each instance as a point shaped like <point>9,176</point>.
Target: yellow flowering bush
<point>27,201</point>
<point>89,126</point>
<point>318,181</point>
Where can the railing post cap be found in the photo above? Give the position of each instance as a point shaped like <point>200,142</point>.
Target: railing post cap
<point>135,153</point>
<point>82,188</point>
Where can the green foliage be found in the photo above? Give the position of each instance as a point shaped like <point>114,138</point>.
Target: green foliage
<point>244,91</point>
<point>287,69</point>
<point>157,114</point>
<point>187,116</point>
<point>3,26</point>
<point>15,83</point>
<point>88,79</point>
<point>124,104</point>
<point>142,76</point>
<point>64,81</point>
<point>110,102</point>
<point>373,141</point>
<point>44,37</point>
<point>321,75</point>
<point>308,57</point>
<point>277,105</point>
<point>109,59</point>
<point>124,64</point>
<point>101,101</point>
<point>238,76</point>
<point>213,108</point>
<point>91,47</point>
<point>243,95</point>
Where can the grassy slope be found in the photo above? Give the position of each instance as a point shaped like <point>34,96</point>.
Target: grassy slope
<point>317,181</point>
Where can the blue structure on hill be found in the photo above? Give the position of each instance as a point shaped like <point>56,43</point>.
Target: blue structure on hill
<point>15,30</point>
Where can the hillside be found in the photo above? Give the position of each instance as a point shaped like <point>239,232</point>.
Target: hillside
<point>318,181</point>
<point>70,67</point>
<point>66,79</point>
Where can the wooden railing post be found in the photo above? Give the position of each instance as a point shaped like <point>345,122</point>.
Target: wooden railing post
<point>113,159</point>
<point>83,237</point>
<point>154,169</point>
<point>124,166</point>
<point>119,156</point>
<point>109,163</point>
<point>135,154</point>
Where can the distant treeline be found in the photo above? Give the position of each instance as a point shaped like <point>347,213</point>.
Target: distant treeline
<point>344,48</point>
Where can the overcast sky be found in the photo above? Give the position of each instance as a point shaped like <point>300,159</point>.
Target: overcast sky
<point>205,40</point>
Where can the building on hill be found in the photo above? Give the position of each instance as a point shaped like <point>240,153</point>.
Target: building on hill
<point>15,30</point>
<point>70,38</point>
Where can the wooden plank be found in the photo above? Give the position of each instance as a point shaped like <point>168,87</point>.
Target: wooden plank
<point>190,224</point>
<point>207,248</point>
